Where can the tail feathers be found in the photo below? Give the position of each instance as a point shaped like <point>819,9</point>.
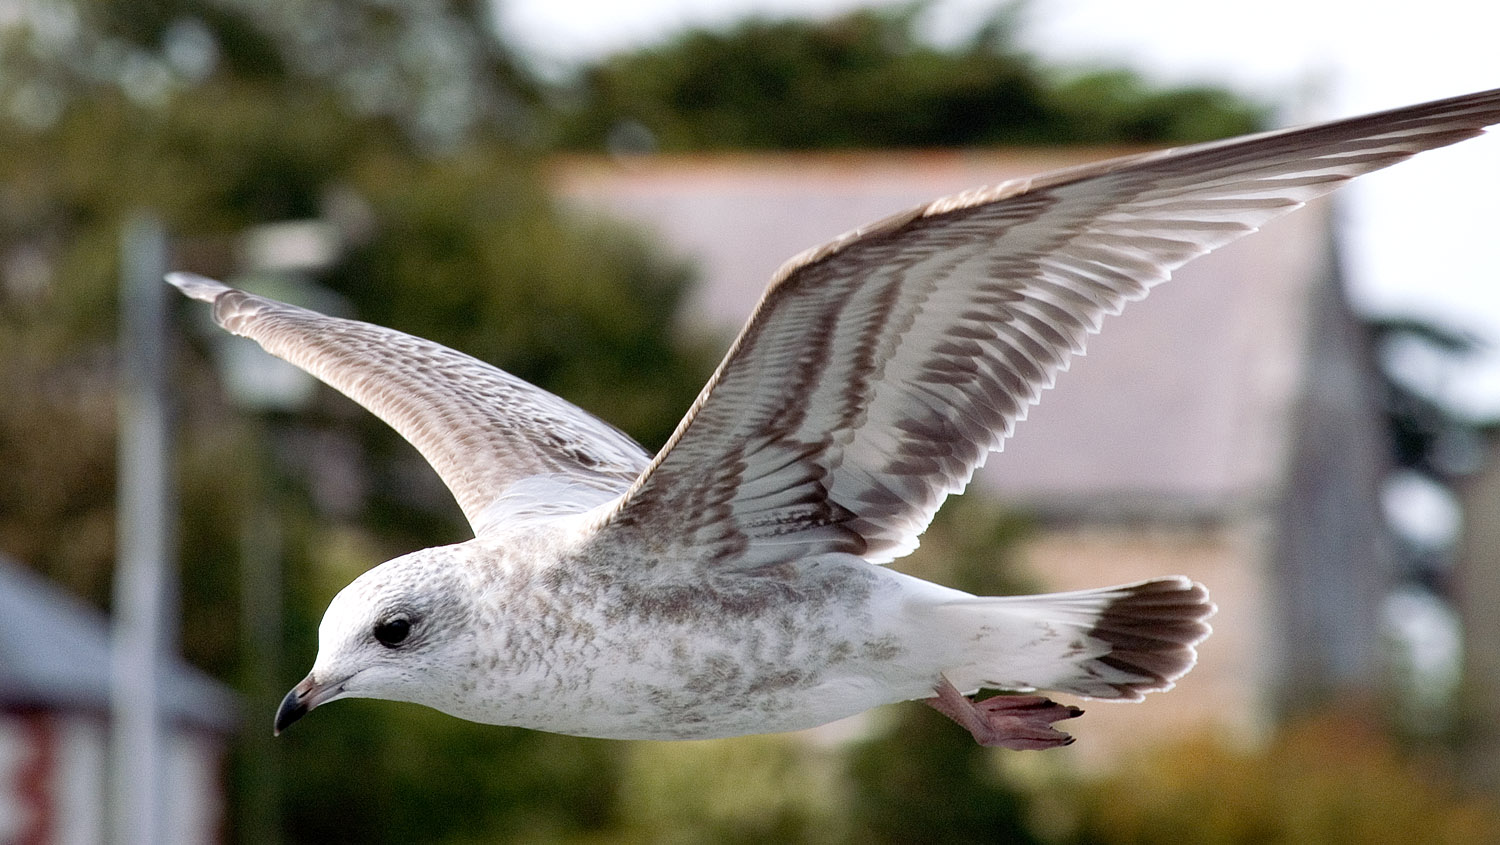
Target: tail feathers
<point>1113,643</point>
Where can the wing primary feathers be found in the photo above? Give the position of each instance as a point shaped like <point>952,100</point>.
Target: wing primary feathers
<point>936,328</point>
<point>509,451</point>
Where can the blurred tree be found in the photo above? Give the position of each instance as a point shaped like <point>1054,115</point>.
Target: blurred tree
<point>868,79</point>
<point>924,782</point>
<point>1335,777</point>
<point>1427,433</point>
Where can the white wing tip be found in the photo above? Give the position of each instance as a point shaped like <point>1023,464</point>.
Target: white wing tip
<point>198,287</point>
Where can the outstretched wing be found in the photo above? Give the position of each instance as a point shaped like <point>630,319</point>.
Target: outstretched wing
<point>507,449</point>
<point>880,370</point>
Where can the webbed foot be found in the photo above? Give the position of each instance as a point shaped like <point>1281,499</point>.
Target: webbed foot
<point>1020,722</point>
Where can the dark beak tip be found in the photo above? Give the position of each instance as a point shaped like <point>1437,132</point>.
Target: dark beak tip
<point>292,708</point>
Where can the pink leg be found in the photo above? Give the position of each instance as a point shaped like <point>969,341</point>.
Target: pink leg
<point>1021,722</point>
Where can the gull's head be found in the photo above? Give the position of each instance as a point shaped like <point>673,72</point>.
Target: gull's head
<point>400,631</point>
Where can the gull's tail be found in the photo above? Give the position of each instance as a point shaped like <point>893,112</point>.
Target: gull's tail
<point>1112,643</point>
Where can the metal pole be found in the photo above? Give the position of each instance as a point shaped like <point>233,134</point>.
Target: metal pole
<point>145,568</point>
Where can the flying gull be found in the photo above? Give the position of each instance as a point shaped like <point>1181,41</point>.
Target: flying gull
<point>728,585</point>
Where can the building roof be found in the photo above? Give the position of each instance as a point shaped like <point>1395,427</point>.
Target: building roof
<point>55,653</point>
<point>1182,405</point>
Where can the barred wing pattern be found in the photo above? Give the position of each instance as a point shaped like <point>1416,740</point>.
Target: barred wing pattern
<point>880,370</point>
<point>506,449</point>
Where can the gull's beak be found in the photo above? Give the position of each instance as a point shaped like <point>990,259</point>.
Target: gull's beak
<point>302,699</point>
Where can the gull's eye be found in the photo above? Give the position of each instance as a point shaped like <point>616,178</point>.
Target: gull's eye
<point>392,632</point>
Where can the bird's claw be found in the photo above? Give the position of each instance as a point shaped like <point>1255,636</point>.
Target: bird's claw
<point>1019,722</point>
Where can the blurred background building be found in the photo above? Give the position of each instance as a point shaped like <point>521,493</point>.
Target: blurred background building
<point>54,737</point>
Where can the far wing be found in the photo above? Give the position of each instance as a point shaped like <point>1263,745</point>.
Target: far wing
<point>507,449</point>
<point>880,370</point>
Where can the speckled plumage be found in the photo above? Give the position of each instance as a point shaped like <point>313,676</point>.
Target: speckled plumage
<point>726,586</point>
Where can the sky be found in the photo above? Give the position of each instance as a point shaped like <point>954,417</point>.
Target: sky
<point>1421,239</point>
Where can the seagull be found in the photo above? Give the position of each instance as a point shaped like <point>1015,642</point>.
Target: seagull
<point>731,583</point>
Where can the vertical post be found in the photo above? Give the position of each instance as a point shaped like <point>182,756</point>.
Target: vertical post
<point>145,568</point>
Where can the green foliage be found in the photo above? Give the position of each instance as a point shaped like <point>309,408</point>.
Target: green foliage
<point>745,790</point>
<point>56,444</point>
<point>1333,778</point>
<point>867,79</point>
<point>913,778</point>
<point>1118,106</point>
<point>928,782</point>
<point>397,773</point>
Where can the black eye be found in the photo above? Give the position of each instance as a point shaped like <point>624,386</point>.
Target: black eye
<point>392,632</point>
